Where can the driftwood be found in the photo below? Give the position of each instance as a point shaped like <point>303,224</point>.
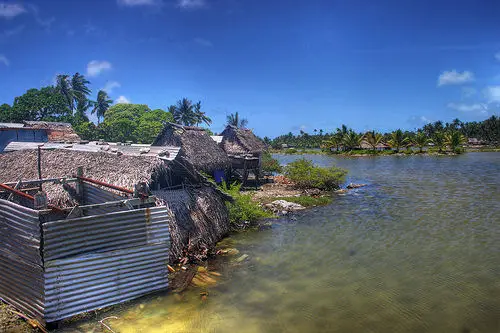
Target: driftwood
<point>182,279</point>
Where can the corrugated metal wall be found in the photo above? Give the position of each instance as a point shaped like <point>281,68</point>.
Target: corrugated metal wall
<point>21,135</point>
<point>96,261</point>
<point>21,271</point>
<point>88,262</point>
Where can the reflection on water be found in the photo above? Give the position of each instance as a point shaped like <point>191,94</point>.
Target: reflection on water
<point>415,251</point>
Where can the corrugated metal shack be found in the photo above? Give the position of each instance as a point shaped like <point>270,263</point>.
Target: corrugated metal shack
<point>58,262</point>
<point>96,244</point>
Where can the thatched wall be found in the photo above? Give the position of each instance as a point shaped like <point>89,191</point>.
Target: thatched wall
<point>124,171</point>
<point>199,219</point>
<point>237,141</point>
<point>196,146</point>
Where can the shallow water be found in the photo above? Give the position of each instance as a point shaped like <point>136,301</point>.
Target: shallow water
<point>417,250</point>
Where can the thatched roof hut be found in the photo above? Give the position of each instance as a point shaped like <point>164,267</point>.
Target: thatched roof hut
<point>240,141</point>
<point>124,171</point>
<point>197,147</point>
<point>198,216</point>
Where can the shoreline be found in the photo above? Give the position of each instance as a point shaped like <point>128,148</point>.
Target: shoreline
<point>382,153</point>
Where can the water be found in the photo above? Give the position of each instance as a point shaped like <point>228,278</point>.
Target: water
<point>417,250</point>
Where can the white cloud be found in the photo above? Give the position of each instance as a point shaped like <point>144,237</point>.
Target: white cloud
<point>476,107</point>
<point>4,60</point>
<point>454,77</point>
<point>191,4</point>
<point>110,85</point>
<point>137,2</point>
<point>497,56</point>
<point>122,100</point>
<point>10,10</point>
<point>95,67</point>
<point>492,93</point>
<point>203,42</point>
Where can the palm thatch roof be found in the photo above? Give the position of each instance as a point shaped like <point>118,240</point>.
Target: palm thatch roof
<point>124,171</point>
<point>196,146</point>
<point>56,131</point>
<point>237,141</point>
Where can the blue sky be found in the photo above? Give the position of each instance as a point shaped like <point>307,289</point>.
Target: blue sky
<point>284,65</point>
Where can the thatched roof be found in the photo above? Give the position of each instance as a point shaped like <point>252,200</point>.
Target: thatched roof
<point>56,131</point>
<point>124,171</point>
<point>236,141</point>
<point>196,146</point>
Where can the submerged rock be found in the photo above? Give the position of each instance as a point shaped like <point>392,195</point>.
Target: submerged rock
<point>352,185</point>
<point>284,206</point>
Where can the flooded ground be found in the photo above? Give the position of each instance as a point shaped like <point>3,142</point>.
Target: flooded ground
<point>417,250</point>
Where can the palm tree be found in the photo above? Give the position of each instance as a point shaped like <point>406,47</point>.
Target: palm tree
<point>201,116</point>
<point>454,139</point>
<point>234,120</point>
<point>184,113</point>
<point>332,142</point>
<point>439,140</point>
<point>80,92</point>
<point>352,140</point>
<point>397,140</point>
<point>373,139</point>
<point>101,105</point>
<point>421,140</point>
<point>63,87</point>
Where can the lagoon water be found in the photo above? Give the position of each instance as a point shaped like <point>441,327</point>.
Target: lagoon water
<point>417,250</point>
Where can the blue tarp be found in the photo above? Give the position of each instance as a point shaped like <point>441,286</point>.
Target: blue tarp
<point>21,135</point>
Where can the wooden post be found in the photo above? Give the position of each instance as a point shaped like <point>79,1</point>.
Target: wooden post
<point>79,184</point>
<point>40,165</point>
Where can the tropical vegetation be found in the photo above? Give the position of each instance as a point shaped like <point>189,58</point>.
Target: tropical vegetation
<point>304,174</point>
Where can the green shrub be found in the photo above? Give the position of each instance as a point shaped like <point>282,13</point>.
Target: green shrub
<point>243,209</point>
<point>269,163</point>
<point>291,151</point>
<point>305,175</point>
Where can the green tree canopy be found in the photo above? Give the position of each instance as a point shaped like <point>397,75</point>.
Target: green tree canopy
<point>43,104</point>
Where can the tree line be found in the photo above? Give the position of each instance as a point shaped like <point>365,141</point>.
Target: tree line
<point>68,100</point>
<point>439,134</point>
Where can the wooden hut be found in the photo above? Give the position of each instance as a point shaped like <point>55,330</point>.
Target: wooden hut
<point>197,147</point>
<point>244,149</point>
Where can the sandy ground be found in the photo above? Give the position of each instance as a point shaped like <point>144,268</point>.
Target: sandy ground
<point>11,323</point>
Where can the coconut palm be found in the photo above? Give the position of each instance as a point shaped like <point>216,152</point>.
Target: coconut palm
<point>234,120</point>
<point>331,142</point>
<point>63,87</point>
<point>101,105</point>
<point>373,139</point>
<point>184,113</point>
<point>454,139</point>
<point>397,140</point>
<point>201,116</point>
<point>352,140</point>
<point>80,89</point>
<point>421,140</point>
<point>439,140</point>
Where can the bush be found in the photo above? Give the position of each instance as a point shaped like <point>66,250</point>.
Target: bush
<point>243,208</point>
<point>270,164</point>
<point>305,175</point>
<point>291,151</point>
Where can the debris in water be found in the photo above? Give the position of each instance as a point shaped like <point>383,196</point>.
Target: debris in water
<point>170,269</point>
<point>242,258</point>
